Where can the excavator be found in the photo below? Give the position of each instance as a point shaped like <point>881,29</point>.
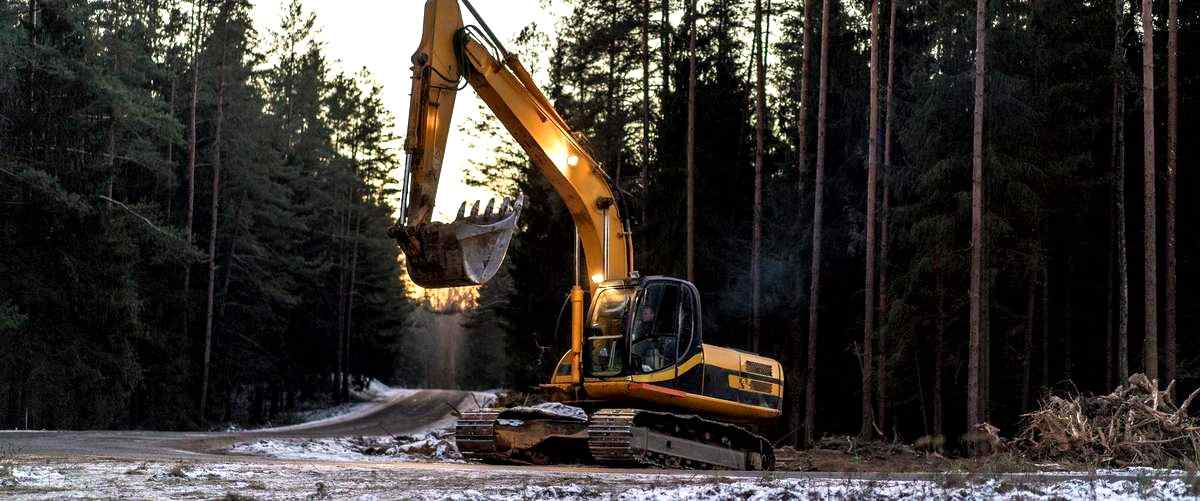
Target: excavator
<point>639,385</point>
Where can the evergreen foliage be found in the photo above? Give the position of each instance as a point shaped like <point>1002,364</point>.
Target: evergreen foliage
<point>93,147</point>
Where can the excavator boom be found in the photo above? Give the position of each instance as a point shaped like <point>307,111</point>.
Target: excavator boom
<point>470,250</point>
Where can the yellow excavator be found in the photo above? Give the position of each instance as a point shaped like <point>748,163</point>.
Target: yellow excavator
<point>638,385</point>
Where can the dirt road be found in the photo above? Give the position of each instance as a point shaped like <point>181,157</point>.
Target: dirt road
<point>399,415</point>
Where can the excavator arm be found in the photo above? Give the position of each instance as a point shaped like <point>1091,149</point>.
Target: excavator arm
<point>470,250</point>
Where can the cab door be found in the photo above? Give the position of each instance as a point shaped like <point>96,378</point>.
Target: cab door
<point>664,334</point>
<point>606,341</point>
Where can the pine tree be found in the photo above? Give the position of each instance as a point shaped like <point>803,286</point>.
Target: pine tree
<point>885,213</point>
<point>645,31</point>
<point>691,144</point>
<point>1150,208</point>
<point>868,354</point>
<point>214,216</point>
<point>975,404</point>
<point>1118,165</point>
<point>797,352</point>
<point>756,224</point>
<point>190,176</point>
<point>810,390</point>
<point>1172,159</point>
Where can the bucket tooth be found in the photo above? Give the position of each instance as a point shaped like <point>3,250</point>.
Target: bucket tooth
<point>487,212</point>
<point>475,209</point>
<point>462,209</point>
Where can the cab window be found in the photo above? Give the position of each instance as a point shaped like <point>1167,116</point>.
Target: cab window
<point>656,328</point>
<point>687,322</point>
<point>605,339</point>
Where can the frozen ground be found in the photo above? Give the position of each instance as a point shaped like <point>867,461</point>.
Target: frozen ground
<point>48,479</point>
<point>319,461</point>
<point>436,445</point>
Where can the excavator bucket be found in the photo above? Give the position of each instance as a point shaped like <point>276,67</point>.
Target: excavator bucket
<point>468,251</point>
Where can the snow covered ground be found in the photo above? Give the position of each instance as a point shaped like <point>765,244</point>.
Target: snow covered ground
<point>368,400</point>
<point>50,479</point>
<point>437,445</point>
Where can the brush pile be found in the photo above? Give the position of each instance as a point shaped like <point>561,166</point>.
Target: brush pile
<point>1135,425</point>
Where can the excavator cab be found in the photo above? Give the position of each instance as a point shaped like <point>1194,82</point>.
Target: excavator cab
<point>645,328</point>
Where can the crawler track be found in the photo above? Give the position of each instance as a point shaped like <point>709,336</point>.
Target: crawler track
<point>665,440</point>
<point>475,435</point>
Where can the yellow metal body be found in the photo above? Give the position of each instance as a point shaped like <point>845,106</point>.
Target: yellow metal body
<point>576,333</point>
<point>724,390</point>
<point>436,74</point>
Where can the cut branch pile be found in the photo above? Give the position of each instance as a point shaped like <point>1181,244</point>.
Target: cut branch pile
<point>1135,425</point>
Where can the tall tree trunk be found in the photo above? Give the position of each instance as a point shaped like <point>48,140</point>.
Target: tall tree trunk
<point>1150,207</point>
<point>112,122</point>
<point>868,355</point>
<point>794,389</point>
<point>236,220</point>
<point>884,216</point>
<point>756,225</point>
<point>664,51</point>
<point>1172,139</point>
<point>1027,355</point>
<point>1068,339</point>
<point>198,22</point>
<point>112,161</point>
<point>350,308</point>
<point>664,48</point>
<point>1110,366</point>
<point>170,202</point>
<point>343,273</point>
<point>939,349</point>
<point>976,363</point>
<point>814,298</point>
<point>691,144</point>
<point>646,92</point>
<point>611,120</point>
<point>1045,320</point>
<point>1118,63</point>
<point>212,238</point>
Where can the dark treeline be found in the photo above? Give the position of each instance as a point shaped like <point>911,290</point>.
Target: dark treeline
<point>192,217</point>
<point>1062,229</point>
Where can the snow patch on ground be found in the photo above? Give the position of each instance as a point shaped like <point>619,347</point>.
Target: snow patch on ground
<point>435,445</point>
<point>718,488</point>
<point>626,487</point>
<point>552,409</point>
<point>370,399</point>
<point>40,478</point>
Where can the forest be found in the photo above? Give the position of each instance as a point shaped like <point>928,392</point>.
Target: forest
<point>192,217</point>
<point>934,213</point>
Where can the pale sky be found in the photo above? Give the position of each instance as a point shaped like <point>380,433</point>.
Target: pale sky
<point>381,35</point>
